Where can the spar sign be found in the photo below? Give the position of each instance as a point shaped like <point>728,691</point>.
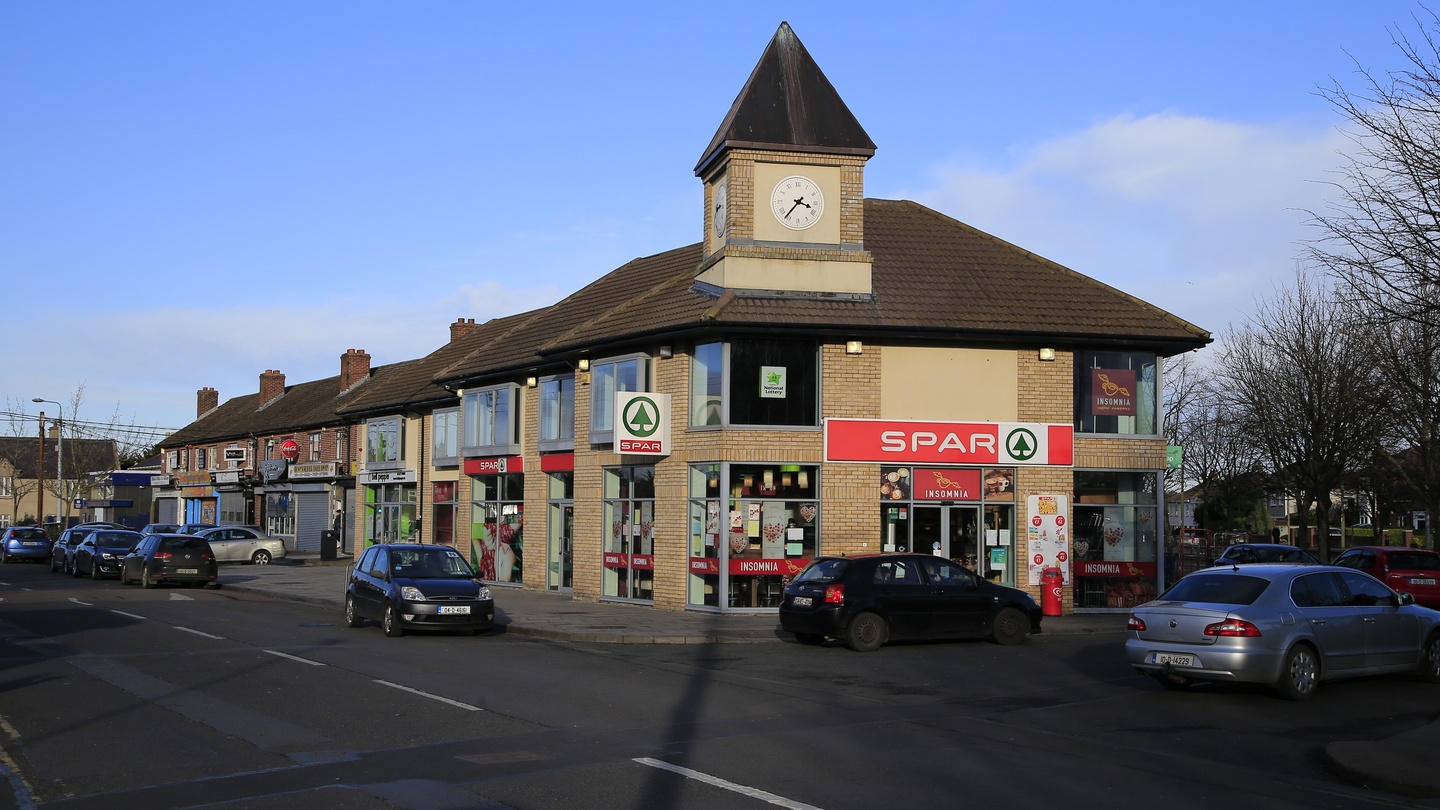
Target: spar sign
<point>895,441</point>
<point>642,423</point>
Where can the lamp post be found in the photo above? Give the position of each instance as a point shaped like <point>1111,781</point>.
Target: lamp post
<point>59,457</point>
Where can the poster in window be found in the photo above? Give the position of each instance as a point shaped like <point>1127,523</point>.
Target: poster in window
<point>772,382</point>
<point>1112,392</point>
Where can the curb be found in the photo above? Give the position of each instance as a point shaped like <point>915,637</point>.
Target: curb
<point>1385,765</point>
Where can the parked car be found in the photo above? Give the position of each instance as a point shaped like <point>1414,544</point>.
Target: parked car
<point>63,557</point>
<point>870,599</point>
<point>100,552</point>
<point>161,528</point>
<point>1407,570</point>
<point>180,558</point>
<point>243,544</point>
<point>1252,553</point>
<point>25,543</point>
<point>193,528</point>
<point>1290,626</point>
<point>417,587</point>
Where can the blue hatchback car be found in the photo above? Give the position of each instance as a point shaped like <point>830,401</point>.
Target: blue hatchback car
<point>25,543</point>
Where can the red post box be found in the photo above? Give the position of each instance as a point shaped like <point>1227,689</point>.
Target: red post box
<point>1052,583</point>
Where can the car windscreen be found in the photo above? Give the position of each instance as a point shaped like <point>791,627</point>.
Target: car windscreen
<point>117,539</point>
<point>1413,562</point>
<point>30,534</point>
<point>823,571</point>
<point>1219,588</point>
<point>429,563</point>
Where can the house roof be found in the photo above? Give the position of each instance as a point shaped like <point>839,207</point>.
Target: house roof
<point>789,105</point>
<point>86,455</point>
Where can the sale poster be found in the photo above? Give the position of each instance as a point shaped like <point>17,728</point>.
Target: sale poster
<point>1048,533</point>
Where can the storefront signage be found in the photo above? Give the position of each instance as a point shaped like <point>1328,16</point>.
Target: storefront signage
<point>787,567</point>
<point>159,480</point>
<point>494,466</point>
<point>197,492</point>
<point>1120,568</point>
<point>227,477</point>
<point>888,441</point>
<point>387,477</point>
<point>704,565</point>
<point>272,469</point>
<point>945,485</point>
<point>290,449</point>
<point>557,462</point>
<point>313,469</point>
<point>1112,391</point>
<point>1049,535</point>
<point>192,479</point>
<point>772,382</point>
<point>236,454</point>
<point>640,562</point>
<point>642,423</point>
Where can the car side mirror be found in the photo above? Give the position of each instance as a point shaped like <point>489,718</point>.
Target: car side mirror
<point>1407,599</point>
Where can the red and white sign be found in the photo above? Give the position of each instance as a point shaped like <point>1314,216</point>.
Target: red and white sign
<point>494,466</point>
<point>641,562</point>
<point>889,441</point>
<point>1107,568</point>
<point>704,565</point>
<point>945,485</point>
<point>290,449</point>
<point>787,567</point>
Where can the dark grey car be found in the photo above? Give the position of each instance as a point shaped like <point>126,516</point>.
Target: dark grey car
<point>417,587</point>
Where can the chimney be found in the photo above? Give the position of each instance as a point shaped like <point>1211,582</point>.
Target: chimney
<point>354,367</point>
<point>272,386</point>
<point>461,327</point>
<point>207,399</point>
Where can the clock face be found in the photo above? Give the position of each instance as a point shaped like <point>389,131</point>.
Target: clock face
<point>719,204</point>
<point>797,202</point>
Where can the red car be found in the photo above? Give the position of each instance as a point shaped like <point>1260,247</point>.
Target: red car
<point>1407,570</point>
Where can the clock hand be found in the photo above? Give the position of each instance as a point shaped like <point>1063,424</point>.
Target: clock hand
<point>798,202</point>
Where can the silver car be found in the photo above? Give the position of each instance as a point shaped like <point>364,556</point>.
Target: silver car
<point>243,544</point>
<point>1290,626</point>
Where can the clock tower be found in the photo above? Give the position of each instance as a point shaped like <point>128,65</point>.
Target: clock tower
<point>784,184</point>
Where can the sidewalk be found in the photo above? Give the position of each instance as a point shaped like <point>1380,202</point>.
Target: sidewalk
<point>1401,764</point>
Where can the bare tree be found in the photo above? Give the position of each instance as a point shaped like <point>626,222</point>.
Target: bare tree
<point>1299,382</point>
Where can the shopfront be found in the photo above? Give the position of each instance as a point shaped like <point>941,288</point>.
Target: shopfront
<point>628,558</point>
<point>390,507</point>
<point>963,514</point>
<point>497,518</point>
<point>198,495</point>
<point>559,470</point>
<point>1115,545</point>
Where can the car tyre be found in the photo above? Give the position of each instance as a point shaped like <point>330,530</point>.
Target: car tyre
<point>812,639</point>
<point>124,580</point>
<point>1429,667</point>
<point>1300,674</point>
<point>865,633</point>
<point>352,619</point>
<point>1009,627</point>
<point>75,570</point>
<point>146,581</point>
<point>391,622</point>
<point>94,571</point>
<point>212,586</point>
<point>261,557</point>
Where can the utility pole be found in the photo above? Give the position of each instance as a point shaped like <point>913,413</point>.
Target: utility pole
<point>40,474</point>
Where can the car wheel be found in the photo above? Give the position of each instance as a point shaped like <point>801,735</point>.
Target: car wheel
<point>1429,669</point>
<point>811,639</point>
<point>261,557</point>
<point>865,633</point>
<point>94,571</point>
<point>352,619</point>
<point>212,586</point>
<point>391,622</point>
<point>124,580</point>
<point>1009,627</point>
<point>146,581</point>
<point>1300,674</point>
<point>75,569</point>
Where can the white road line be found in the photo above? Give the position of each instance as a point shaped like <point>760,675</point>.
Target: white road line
<point>78,602</point>
<point>466,706</point>
<point>131,615</point>
<point>199,633</point>
<point>180,597</point>
<point>754,793</point>
<point>295,658</point>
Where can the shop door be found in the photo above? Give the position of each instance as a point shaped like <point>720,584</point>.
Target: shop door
<point>562,525</point>
<point>951,532</point>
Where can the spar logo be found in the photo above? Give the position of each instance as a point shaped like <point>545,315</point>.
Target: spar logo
<point>642,423</point>
<point>641,417</point>
<point>1021,444</point>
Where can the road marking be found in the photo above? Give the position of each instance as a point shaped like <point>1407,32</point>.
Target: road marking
<point>754,793</point>
<point>180,597</point>
<point>466,706</point>
<point>295,658</point>
<point>131,615</point>
<point>78,602</point>
<point>199,633</point>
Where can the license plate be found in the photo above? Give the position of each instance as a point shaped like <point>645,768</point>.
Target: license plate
<point>1174,659</point>
<point>801,601</point>
<point>187,570</point>
<point>33,543</point>
<point>454,608</point>
<point>1414,581</point>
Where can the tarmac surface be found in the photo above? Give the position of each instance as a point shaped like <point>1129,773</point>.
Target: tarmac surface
<point>1402,764</point>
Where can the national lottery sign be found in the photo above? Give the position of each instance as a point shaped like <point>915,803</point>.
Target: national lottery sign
<point>895,441</point>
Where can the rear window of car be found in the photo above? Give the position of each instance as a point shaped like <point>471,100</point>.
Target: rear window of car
<point>30,534</point>
<point>823,571</point>
<point>1414,562</point>
<point>184,544</point>
<point>1220,589</point>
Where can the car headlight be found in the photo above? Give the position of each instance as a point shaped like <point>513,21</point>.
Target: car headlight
<point>412,593</point>
<point>483,593</point>
<point>107,556</point>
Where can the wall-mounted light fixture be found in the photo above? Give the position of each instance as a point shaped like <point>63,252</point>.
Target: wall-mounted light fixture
<point>531,382</point>
<point>1047,353</point>
<point>584,364</point>
<point>854,347</point>
<point>666,352</point>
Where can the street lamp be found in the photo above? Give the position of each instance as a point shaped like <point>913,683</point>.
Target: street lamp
<point>59,457</point>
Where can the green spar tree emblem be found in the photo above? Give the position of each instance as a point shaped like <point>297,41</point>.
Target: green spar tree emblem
<point>642,417</point>
<point>1020,443</point>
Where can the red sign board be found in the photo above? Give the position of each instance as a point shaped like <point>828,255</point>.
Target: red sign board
<point>767,567</point>
<point>704,565</point>
<point>290,449</point>
<point>890,441</point>
<point>494,466</point>
<point>640,562</point>
<point>557,462</point>
<point>945,485</point>
<point>1118,568</point>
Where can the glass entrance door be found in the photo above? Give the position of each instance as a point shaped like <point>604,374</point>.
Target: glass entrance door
<point>562,524</point>
<point>951,532</point>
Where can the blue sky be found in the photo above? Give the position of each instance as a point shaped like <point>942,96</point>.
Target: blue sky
<point>193,193</point>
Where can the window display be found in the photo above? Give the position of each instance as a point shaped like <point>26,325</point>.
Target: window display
<point>629,551</point>
<point>497,525</point>
<point>1115,549</point>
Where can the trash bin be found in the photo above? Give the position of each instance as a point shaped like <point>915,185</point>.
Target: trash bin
<point>329,544</point>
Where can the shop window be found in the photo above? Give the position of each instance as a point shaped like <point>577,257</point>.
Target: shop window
<point>384,440</point>
<point>557,414</point>
<point>497,526</point>
<point>607,377</point>
<point>755,382</point>
<point>628,556</point>
<point>708,528</point>
<point>442,510</point>
<point>279,513</point>
<point>491,421</point>
<point>445,438</point>
<point>772,530</point>
<point>1116,393</point>
<point>1115,553</point>
<point>390,513</point>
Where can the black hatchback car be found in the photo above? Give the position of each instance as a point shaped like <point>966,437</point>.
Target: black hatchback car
<point>870,599</point>
<point>417,587</point>
<point>180,558</point>
<point>100,553</point>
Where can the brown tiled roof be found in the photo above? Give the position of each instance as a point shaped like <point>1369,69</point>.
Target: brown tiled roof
<point>500,345</point>
<point>81,456</point>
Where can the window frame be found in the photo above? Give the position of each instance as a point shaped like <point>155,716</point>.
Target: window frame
<point>448,453</point>
<point>563,419</point>
<point>1087,423</point>
<point>372,427</point>
<point>603,431</point>
<point>470,445</point>
<point>728,382</point>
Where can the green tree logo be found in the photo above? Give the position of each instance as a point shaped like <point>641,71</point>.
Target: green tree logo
<point>1021,444</point>
<point>641,417</point>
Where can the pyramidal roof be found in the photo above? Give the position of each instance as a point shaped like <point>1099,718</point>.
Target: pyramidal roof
<point>788,104</point>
